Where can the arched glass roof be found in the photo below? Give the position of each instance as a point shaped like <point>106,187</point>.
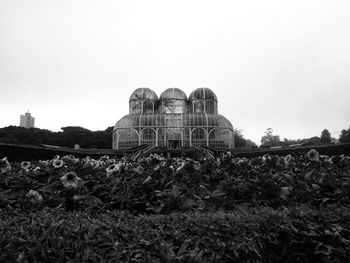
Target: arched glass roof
<point>203,94</point>
<point>165,120</point>
<point>173,94</point>
<point>143,94</point>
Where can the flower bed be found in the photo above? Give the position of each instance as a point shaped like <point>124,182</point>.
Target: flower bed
<point>158,185</point>
<point>270,209</point>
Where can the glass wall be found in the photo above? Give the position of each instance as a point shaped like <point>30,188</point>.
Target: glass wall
<point>127,138</point>
<point>173,130</point>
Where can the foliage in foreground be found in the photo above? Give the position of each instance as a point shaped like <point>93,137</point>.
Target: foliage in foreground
<point>259,234</point>
<point>157,185</point>
<point>156,209</point>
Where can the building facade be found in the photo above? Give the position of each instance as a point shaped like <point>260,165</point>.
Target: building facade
<point>27,121</point>
<point>173,120</point>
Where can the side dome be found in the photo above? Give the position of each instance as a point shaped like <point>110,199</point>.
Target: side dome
<point>203,100</point>
<point>142,100</point>
<point>173,100</point>
<point>203,94</point>
<point>143,94</point>
<point>173,94</point>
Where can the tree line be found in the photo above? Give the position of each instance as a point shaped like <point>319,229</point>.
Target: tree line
<point>68,137</point>
<point>271,140</point>
<point>71,135</point>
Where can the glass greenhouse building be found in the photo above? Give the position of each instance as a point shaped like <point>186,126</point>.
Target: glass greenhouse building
<point>173,120</point>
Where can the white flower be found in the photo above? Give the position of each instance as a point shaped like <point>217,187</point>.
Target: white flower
<point>196,165</point>
<point>25,166</point>
<point>111,169</point>
<point>266,158</point>
<point>88,162</point>
<point>114,168</point>
<point>21,257</point>
<point>68,158</point>
<point>4,165</point>
<point>35,197</point>
<point>181,167</point>
<point>242,161</point>
<point>36,170</point>
<point>96,164</point>
<point>156,168</point>
<point>148,179</point>
<point>313,155</point>
<point>77,197</point>
<point>345,160</point>
<point>70,180</point>
<point>287,159</point>
<point>57,163</point>
<point>104,158</point>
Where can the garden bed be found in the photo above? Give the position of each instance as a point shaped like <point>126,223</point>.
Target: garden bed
<point>263,209</point>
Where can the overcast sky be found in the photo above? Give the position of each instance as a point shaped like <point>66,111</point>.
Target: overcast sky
<point>278,64</point>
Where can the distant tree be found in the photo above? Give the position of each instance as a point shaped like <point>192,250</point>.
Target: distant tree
<point>325,136</point>
<point>250,144</point>
<point>269,139</point>
<point>6,137</point>
<point>311,141</point>
<point>240,141</point>
<point>287,142</point>
<point>69,136</point>
<point>345,136</point>
<point>69,129</point>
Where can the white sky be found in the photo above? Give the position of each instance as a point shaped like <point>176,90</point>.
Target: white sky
<point>279,64</point>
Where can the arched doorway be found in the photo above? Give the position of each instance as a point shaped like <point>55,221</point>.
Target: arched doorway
<point>148,136</point>
<point>199,137</point>
<point>173,137</point>
<point>127,138</point>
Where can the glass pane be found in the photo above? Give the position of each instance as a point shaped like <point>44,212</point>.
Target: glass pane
<point>135,107</point>
<point>147,107</point>
<point>209,106</point>
<point>198,106</point>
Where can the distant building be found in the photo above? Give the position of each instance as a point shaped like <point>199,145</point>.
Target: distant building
<point>27,121</point>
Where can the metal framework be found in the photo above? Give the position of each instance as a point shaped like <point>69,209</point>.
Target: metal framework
<point>173,121</point>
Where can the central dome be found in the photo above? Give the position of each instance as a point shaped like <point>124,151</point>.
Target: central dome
<point>173,94</point>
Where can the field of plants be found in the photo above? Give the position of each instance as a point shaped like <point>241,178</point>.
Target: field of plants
<point>293,208</point>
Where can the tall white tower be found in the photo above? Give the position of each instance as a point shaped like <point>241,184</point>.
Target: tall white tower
<point>27,121</point>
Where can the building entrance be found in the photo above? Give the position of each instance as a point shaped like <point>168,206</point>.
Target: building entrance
<point>174,144</point>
